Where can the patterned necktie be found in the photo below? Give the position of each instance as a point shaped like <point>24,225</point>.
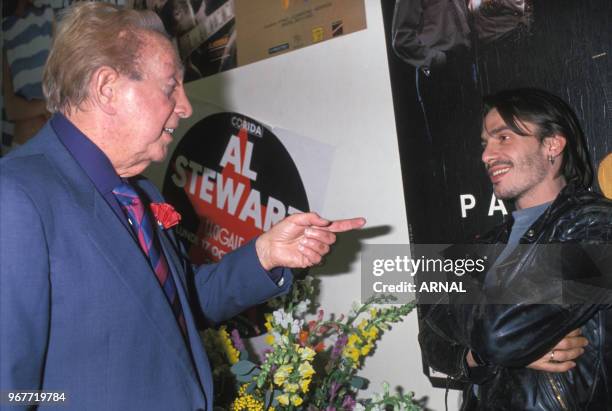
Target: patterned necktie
<point>140,221</point>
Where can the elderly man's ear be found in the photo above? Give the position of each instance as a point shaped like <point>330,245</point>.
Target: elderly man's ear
<point>104,83</point>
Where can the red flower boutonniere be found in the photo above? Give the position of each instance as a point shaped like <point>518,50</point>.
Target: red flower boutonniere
<point>165,214</point>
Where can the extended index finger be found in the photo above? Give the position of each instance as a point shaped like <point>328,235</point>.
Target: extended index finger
<point>348,224</point>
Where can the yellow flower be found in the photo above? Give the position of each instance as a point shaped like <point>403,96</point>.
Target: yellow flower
<point>371,333</point>
<point>306,353</point>
<point>291,387</point>
<point>304,384</point>
<point>243,389</point>
<point>373,312</point>
<point>283,399</point>
<point>352,353</point>
<point>246,403</point>
<point>353,339</point>
<point>269,339</point>
<point>281,375</point>
<point>365,350</point>
<point>233,355</point>
<point>268,323</point>
<point>296,400</point>
<point>306,370</point>
<point>362,325</point>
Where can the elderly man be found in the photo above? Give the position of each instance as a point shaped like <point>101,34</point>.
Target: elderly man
<point>94,297</point>
<point>554,249</point>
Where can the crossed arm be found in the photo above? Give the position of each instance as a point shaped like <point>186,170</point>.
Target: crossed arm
<point>503,336</point>
<point>560,358</point>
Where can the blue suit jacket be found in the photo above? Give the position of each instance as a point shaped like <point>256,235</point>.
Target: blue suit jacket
<point>81,310</point>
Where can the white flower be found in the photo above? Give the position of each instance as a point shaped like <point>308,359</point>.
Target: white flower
<point>377,397</point>
<point>302,307</point>
<point>359,407</point>
<point>282,318</point>
<point>285,320</point>
<point>296,327</point>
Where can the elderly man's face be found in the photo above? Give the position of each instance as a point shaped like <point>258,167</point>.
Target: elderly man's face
<point>150,109</point>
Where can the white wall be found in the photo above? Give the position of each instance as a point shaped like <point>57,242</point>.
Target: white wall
<point>338,92</point>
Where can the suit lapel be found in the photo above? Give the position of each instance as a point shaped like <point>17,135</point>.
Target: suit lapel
<point>199,355</point>
<point>134,271</point>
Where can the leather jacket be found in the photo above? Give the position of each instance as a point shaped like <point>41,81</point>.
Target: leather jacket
<point>505,338</point>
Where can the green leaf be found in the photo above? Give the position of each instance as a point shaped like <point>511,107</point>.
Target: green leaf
<point>358,382</point>
<point>250,376</point>
<point>243,367</point>
<point>260,382</point>
<point>243,378</point>
<point>268,399</point>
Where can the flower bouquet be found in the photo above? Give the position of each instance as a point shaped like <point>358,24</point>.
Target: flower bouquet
<point>309,364</point>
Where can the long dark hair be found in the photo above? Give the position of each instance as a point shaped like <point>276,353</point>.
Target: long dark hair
<point>551,115</point>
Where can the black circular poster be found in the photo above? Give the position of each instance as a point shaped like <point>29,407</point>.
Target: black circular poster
<point>231,179</point>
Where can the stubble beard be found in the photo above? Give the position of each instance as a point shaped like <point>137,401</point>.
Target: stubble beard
<point>530,171</point>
